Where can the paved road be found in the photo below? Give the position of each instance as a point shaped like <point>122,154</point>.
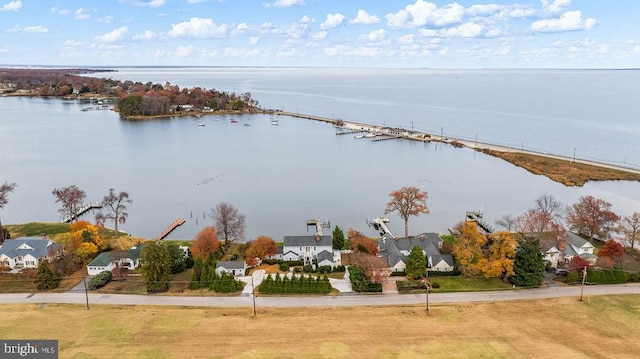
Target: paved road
<point>321,301</point>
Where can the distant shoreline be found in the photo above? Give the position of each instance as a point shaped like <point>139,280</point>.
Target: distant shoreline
<point>561,169</point>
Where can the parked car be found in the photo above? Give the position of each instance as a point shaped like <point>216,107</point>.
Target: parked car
<point>561,271</point>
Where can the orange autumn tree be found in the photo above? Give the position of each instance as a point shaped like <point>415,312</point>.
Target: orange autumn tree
<point>260,248</point>
<point>407,201</point>
<point>498,261</point>
<point>358,242</point>
<point>468,248</point>
<point>477,254</point>
<point>205,243</point>
<point>86,242</point>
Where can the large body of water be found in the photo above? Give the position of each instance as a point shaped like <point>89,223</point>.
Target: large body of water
<point>280,176</point>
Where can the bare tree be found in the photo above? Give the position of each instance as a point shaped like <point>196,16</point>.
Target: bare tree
<point>550,206</point>
<point>115,204</point>
<point>407,201</point>
<point>508,221</point>
<point>630,227</point>
<point>71,199</point>
<point>5,189</point>
<point>229,223</point>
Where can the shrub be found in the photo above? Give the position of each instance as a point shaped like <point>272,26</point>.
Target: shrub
<point>574,277</point>
<point>45,278</point>
<point>271,261</point>
<point>453,273</point>
<point>374,287</point>
<point>324,269</point>
<point>634,277</point>
<point>297,270</point>
<point>307,268</point>
<point>410,285</point>
<point>100,280</point>
<point>435,285</point>
<point>284,267</point>
<point>606,276</point>
<point>339,268</point>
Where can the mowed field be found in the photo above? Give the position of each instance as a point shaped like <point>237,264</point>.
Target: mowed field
<point>600,327</point>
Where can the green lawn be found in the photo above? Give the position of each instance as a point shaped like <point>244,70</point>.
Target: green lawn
<point>467,284</point>
<point>36,229</point>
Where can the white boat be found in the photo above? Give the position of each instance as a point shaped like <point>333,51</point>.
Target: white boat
<point>369,135</point>
<point>274,121</point>
<point>200,123</point>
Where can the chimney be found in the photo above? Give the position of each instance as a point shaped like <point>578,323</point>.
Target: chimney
<point>318,237</point>
<point>562,244</point>
<point>422,237</point>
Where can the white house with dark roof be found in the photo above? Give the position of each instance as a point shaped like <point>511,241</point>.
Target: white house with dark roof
<point>396,252</point>
<point>27,252</point>
<point>108,261</point>
<point>235,268</point>
<point>309,249</point>
<point>564,249</point>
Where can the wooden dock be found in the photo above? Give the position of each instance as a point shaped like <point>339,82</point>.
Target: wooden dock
<point>177,223</point>
<point>84,209</point>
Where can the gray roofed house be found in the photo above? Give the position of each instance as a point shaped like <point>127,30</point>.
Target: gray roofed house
<point>236,268</point>
<point>562,250</point>
<point>307,249</point>
<point>27,252</point>
<point>107,261</point>
<point>396,252</point>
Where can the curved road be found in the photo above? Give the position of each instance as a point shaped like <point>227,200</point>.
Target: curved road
<point>321,301</point>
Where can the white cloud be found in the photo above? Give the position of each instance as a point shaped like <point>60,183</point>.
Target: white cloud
<point>12,6</point>
<point>4,50</point>
<point>61,12</point>
<point>105,20</point>
<point>556,7</point>
<point>424,13</point>
<point>466,30</point>
<point>285,3</point>
<point>406,39</point>
<point>112,36</point>
<point>376,35</point>
<point>35,29</point>
<point>364,18</point>
<point>152,3</point>
<point>333,20</point>
<point>81,14</point>
<point>254,40</point>
<point>306,20</point>
<point>320,35</point>
<point>183,51</point>
<point>637,49</point>
<point>147,35</point>
<point>569,21</point>
<point>198,28</point>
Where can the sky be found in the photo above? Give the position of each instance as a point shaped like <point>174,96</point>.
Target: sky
<point>322,33</point>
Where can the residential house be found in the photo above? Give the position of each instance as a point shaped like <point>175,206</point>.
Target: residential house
<point>316,250</point>
<point>565,248</point>
<point>396,252</point>
<point>236,268</point>
<point>27,252</point>
<point>107,261</point>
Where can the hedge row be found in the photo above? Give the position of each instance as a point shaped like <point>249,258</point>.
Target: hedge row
<point>100,280</point>
<point>208,278</point>
<point>606,276</point>
<point>410,285</point>
<point>295,285</point>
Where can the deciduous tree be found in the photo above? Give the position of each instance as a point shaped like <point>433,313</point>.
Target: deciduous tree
<point>528,265</point>
<point>407,201</point>
<point>71,199</point>
<point>5,189</point>
<point>337,238</point>
<point>367,262</point>
<point>507,221</point>
<point>498,259</point>
<point>115,204</point>
<point>549,206</point>
<point>592,217</point>
<point>416,263</point>
<point>205,243</point>
<point>468,248</point>
<point>156,267</point>
<point>358,242</point>
<point>260,248</point>
<point>613,251</point>
<point>229,223</point>
<point>630,228</point>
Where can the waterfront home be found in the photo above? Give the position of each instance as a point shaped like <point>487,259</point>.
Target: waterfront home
<point>235,268</point>
<point>396,252</point>
<point>108,261</point>
<point>564,248</point>
<point>27,252</point>
<point>313,250</point>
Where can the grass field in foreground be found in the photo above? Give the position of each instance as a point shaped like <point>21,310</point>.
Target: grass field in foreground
<point>600,327</point>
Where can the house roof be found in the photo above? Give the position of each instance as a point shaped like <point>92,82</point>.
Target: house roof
<point>325,256</point>
<point>301,241</point>
<point>578,241</point>
<point>230,264</point>
<point>447,258</point>
<point>103,259</point>
<point>424,241</point>
<point>34,246</point>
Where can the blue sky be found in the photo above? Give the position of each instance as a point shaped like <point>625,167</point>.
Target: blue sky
<point>326,33</point>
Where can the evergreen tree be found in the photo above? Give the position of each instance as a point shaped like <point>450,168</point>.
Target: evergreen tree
<point>156,267</point>
<point>45,278</point>
<point>528,265</point>
<point>178,260</point>
<point>338,238</point>
<point>416,263</point>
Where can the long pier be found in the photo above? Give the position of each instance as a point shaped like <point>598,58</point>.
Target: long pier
<point>84,209</point>
<point>400,133</point>
<point>177,223</point>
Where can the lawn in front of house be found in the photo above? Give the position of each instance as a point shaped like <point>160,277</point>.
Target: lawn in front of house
<point>467,284</point>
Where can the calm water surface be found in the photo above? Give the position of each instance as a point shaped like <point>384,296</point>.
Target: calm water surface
<point>280,176</point>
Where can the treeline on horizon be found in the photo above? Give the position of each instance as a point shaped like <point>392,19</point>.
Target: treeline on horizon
<point>134,98</point>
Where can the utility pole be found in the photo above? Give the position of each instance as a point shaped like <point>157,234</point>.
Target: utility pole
<point>584,277</point>
<point>574,154</point>
<point>86,295</point>
<point>253,296</point>
<point>427,295</point>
